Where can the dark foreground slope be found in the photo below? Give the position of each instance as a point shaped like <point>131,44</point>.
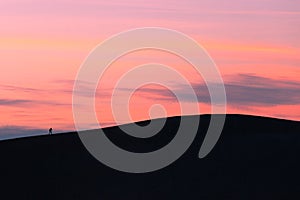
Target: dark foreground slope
<point>255,158</point>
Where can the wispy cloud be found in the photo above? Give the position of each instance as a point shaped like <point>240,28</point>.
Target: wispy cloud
<point>255,90</point>
<point>241,89</point>
<point>19,96</point>
<point>15,88</point>
<point>28,102</point>
<point>14,102</point>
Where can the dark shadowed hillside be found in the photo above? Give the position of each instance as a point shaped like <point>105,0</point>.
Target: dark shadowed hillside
<point>255,158</point>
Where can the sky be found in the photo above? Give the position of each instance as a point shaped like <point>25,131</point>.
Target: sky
<point>255,45</point>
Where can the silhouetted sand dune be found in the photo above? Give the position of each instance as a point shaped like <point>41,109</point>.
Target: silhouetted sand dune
<point>255,158</point>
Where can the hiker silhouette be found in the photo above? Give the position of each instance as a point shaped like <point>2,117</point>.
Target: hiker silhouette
<point>50,131</point>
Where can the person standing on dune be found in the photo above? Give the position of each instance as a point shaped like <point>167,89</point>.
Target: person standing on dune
<point>50,131</point>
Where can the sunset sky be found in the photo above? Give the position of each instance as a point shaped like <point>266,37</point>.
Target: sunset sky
<point>254,43</point>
